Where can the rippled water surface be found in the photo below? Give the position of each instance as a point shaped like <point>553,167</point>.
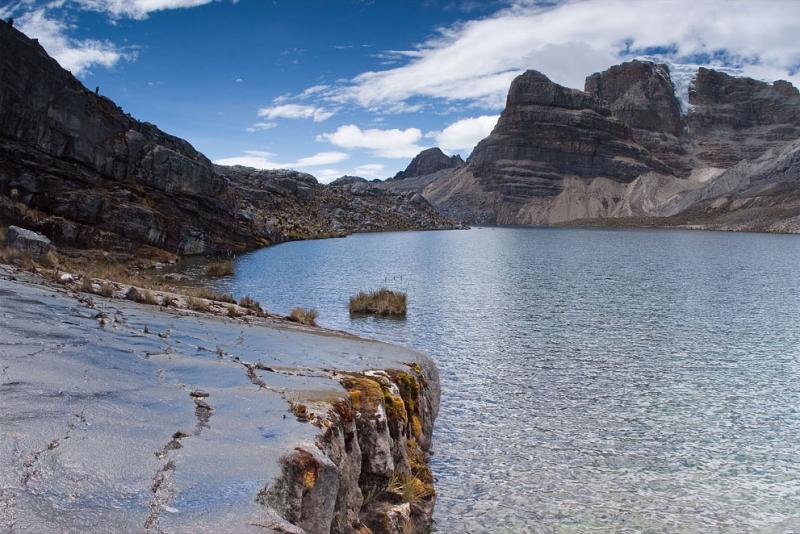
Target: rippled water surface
<point>592,379</point>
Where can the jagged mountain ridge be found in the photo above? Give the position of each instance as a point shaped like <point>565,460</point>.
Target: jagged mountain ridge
<point>77,167</point>
<point>619,149</point>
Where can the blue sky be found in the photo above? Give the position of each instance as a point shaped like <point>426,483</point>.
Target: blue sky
<point>359,87</point>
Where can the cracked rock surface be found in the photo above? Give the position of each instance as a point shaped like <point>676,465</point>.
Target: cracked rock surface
<point>106,426</point>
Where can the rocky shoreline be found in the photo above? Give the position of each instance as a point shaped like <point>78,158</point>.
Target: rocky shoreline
<point>152,418</point>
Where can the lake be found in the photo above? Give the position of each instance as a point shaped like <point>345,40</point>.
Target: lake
<point>592,379</point>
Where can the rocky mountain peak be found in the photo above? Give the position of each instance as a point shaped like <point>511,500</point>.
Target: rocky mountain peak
<point>640,94</point>
<point>532,88</point>
<point>429,161</point>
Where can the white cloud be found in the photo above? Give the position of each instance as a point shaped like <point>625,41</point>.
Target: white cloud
<point>137,9</point>
<point>475,61</point>
<point>370,170</point>
<point>326,176</point>
<point>261,126</point>
<point>321,158</point>
<point>463,135</point>
<point>392,143</point>
<point>295,111</point>
<point>75,55</point>
<point>264,160</point>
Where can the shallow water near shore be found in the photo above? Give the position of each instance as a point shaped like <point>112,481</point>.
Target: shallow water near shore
<point>592,379</point>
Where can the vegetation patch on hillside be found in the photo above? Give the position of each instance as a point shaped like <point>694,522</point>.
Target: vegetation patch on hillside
<point>383,302</point>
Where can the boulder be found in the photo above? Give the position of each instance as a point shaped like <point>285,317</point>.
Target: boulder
<point>27,240</point>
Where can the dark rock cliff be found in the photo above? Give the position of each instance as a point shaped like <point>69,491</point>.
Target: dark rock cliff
<point>621,148</point>
<point>740,118</point>
<point>78,168</point>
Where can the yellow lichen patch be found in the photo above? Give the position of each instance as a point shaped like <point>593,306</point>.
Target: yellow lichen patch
<point>416,426</point>
<point>409,388</point>
<point>395,407</point>
<point>365,393</point>
<point>417,461</point>
<point>309,479</point>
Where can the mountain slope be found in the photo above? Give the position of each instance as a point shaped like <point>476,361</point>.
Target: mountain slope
<point>77,167</point>
<point>622,149</point>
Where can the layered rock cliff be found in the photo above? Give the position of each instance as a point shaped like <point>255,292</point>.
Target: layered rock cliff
<point>621,149</point>
<point>78,168</point>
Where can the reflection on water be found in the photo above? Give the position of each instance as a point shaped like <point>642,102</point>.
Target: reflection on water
<point>592,379</point>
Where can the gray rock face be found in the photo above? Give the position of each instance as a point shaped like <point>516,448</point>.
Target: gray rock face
<point>545,133</point>
<point>640,94</point>
<point>28,241</point>
<point>92,176</point>
<point>429,161</point>
<point>622,149</point>
<point>740,118</point>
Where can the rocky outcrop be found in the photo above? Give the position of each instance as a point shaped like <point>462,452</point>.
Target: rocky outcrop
<point>429,161</point>
<point>77,168</point>
<point>25,240</point>
<point>733,119</point>
<point>261,434</point>
<point>546,133</point>
<point>293,205</point>
<point>642,96</point>
<point>347,180</point>
<point>367,472</point>
<point>623,149</point>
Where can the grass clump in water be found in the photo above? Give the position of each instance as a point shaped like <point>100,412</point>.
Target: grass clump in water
<point>383,302</point>
<point>220,268</point>
<point>304,316</point>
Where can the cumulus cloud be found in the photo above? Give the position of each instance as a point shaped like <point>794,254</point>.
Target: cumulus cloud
<point>295,111</point>
<point>259,159</point>
<point>463,135</point>
<point>475,61</point>
<point>261,126</point>
<point>370,170</point>
<point>393,143</point>
<point>75,55</point>
<point>137,9</point>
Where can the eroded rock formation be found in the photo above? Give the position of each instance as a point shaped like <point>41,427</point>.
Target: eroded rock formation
<point>623,149</point>
<point>76,167</point>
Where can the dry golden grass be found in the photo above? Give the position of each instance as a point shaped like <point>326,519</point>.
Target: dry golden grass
<point>86,284</point>
<point>410,488</point>
<point>107,290</point>
<point>210,294</point>
<point>143,296</point>
<point>3,230</point>
<point>251,304</point>
<point>19,258</point>
<point>382,302</point>
<point>197,304</point>
<point>220,268</point>
<point>304,316</point>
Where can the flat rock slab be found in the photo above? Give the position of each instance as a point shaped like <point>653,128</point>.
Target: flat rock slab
<point>100,430</point>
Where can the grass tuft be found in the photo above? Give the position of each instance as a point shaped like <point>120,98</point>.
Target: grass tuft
<point>383,302</point>
<point>210,294</point>
<point>304,316</point>
<point>251,304</point>
<point>142,296</point>
<point>197,304</point>
<point>220,268</point>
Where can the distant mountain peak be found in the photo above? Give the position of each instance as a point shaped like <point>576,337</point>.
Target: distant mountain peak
<point>429,161</point>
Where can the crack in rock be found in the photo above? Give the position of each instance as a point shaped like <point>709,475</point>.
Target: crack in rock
<point>163,491</point>
<point>30,467</point>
